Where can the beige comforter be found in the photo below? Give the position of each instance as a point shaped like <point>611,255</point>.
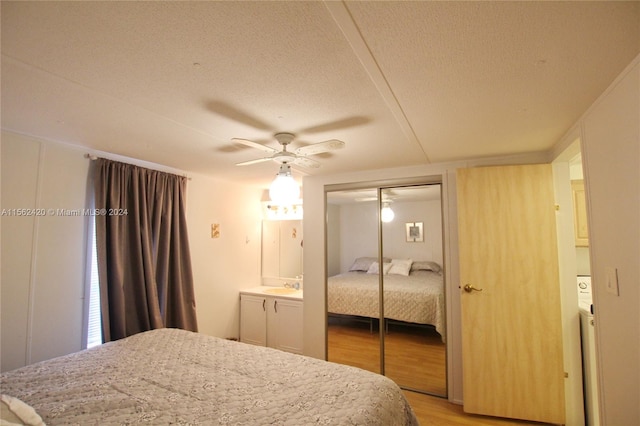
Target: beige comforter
<point>171,376</point>
<point>416,298</point>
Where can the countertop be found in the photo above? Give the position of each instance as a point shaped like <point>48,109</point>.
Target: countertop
<point>272,291</point>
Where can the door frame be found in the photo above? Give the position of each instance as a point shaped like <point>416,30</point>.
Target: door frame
<point>574,395</point>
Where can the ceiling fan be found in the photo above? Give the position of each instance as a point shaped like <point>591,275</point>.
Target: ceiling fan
<point>298,157</point>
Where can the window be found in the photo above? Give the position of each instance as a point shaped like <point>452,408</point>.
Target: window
<point>94,324</point>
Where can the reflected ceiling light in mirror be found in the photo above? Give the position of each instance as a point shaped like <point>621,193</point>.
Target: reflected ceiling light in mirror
<point>386,214</point>
<point>284,189</point>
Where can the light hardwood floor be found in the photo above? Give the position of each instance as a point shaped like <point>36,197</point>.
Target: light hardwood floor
<point>407,351</point>
<point>434,411</point>
<point>415,357</point>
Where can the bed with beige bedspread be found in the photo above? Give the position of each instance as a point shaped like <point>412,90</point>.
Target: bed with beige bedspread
<point>171,376</point>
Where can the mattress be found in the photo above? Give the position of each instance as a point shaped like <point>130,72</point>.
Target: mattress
<point>417,298</point>
<point>171,376</point>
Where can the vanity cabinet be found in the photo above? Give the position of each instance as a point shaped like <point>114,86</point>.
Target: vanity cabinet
<point>275,322</point>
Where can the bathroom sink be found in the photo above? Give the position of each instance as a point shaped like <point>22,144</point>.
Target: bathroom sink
<point>280,290</point>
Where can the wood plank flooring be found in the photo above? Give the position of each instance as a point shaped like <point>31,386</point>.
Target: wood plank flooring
<point>408,350</point>
<point>435,411</point>
<point>415,357</point>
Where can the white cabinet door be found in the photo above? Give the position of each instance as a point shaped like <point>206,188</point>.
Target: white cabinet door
<point>271,321</point>
<point>253,320</point>
<point>284,325</point>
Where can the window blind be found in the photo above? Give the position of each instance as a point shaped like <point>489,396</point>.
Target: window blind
<point>94,328</point>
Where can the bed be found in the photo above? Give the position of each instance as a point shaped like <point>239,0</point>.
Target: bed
<point>415,294</point>
<point>171,376</point>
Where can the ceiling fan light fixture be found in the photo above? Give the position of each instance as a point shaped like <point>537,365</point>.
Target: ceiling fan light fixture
<point>386,214</point>
<point>299,157</point>
<point>284,189</point>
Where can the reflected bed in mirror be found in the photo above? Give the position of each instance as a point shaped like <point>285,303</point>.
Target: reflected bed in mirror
<point>405,338</point>
<point>417,297</point>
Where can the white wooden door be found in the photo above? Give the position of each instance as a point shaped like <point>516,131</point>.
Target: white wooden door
<point>511,322</point>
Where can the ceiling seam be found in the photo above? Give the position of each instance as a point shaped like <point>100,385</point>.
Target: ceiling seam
<point>344,20</point>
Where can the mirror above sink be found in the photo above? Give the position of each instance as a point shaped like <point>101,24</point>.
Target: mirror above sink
<point>281,252</point>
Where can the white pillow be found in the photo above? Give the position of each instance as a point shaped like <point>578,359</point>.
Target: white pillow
<point>400,266</point>
<point>375,268</point>
<point>362,264</point>
<point>425,266</point>
<point>17,412</point>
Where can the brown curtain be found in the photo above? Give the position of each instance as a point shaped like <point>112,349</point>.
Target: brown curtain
<point>144,264</point>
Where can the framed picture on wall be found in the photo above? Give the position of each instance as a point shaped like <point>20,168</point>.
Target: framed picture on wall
<point>414,232</point>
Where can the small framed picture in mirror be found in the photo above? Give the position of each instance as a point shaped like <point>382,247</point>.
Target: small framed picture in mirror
<point>414,232</point>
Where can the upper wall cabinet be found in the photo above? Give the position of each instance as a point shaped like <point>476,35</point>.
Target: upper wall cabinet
<point>580,213</point>
<point>281,249</point>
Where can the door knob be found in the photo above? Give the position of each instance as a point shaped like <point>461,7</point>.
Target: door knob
<point>469,288</point>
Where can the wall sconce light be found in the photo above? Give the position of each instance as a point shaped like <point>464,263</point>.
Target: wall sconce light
<point>271,211</point>
<point>284,189</point>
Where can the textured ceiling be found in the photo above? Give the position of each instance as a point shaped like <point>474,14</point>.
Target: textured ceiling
<point>402,83</point>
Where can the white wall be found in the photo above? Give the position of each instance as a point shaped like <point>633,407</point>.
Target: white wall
<point>44,257</point>
<point>43,262</point>
<point>395,243</point>
<point>611,153</point>
<point>222,266</point>
<point>358,223</point>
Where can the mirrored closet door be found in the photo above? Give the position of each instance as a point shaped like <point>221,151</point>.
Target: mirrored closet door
<point>353,290</point>
<point>385,291</point>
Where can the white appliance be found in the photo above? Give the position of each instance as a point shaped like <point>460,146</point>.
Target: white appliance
<point>590,378</point>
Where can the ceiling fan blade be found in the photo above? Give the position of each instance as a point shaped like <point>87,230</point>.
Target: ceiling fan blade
<point>232,113</point>
<point>361,199</point>
<point>320,147</point>
<point>256,145</point>
<point>259,160</point>
<point>306,162</point>
<point>331,126</point>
